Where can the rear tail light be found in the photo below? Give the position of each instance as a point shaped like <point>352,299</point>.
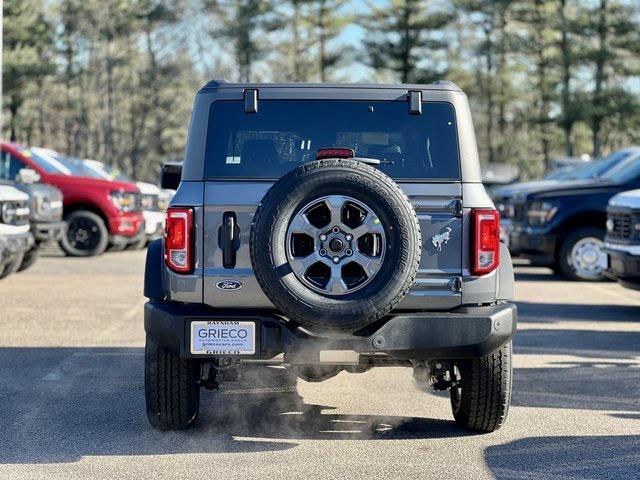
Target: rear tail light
<point>486,242</point>
<point>178,239</point>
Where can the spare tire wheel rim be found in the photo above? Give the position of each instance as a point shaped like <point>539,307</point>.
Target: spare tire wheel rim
<point>335,245</point>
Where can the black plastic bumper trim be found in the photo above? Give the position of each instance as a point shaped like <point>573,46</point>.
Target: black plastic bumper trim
<point>45,231</point>
<point>467,332</point>
<point>624,266</point>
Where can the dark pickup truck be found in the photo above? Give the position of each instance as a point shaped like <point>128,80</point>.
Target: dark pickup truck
<point>563,225</point>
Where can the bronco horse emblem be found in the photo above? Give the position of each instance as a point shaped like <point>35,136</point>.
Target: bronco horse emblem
<point>441,239</point>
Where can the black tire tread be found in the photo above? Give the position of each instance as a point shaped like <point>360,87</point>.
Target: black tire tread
<point>486,391</point>
<point>171,389</point>
<point>29,259</point>
<point>12,267</point>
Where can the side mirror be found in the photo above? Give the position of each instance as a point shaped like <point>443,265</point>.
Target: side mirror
<point>27,175</point>
<point>170,175</point>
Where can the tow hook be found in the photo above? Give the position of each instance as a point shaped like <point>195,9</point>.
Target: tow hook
<point>437,372</point>
<point>212,374</point>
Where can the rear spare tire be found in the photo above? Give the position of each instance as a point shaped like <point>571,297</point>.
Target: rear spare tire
<point>335,244</point>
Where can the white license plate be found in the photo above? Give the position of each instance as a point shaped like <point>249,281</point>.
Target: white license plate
<point>223,337</point>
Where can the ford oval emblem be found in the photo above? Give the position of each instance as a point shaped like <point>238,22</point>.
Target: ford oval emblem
<point>229,285</point>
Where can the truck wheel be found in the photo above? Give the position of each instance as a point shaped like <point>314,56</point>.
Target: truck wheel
<point>335,244</point>
<point>481,399</point>
<point>86,234</point>
<point>29,259</point>
<point>582,256</point>
<point>12,266</point>
<point>172,392</point>
<point>139,244</point>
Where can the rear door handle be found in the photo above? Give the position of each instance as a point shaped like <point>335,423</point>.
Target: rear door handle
<point>228,239</point>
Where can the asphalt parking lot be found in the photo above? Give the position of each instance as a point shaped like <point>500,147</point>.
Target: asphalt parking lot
<point>71,391</point>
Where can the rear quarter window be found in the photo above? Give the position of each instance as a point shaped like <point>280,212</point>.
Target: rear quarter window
<point>286,133</point>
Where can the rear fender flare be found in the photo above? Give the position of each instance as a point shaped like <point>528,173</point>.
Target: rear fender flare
<point>154,271</point>
<point>505,282</point>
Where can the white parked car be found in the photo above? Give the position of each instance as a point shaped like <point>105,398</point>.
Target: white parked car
<point>622,241</point>
<point>15,232</point>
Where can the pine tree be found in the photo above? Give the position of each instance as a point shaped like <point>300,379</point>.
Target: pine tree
<point>614,33</point>
<point>490,18</point>
<point>242,23</point>
<point>27,38</point>
<point>537,40</point>
<point>401,39</point>
<point>330,21</point>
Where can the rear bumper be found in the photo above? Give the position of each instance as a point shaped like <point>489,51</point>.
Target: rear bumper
<point>534,245</point>
<point>129,224</point>
<point>624,264</point>
<point>126,229</point>
<point>46,231</point>
<point>467,332</point>
<point>125,240</point>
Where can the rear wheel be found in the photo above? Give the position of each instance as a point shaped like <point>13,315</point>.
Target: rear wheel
<point>582,255</point>
<point>12,266</point>
<point>86,234</point>
<point>29,259</point>
<point>480,400</point>
<point>138,244</point>
<point>172,390</point>
<point>117,247</point>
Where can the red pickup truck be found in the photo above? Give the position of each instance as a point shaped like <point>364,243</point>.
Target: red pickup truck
<point>99,213</point>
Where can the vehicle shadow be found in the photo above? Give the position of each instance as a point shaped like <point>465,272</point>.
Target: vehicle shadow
<point>61,404</point>
<point>537,275</point>
<point>602,375</point>
<point>566,457</point>
<point>559,312</point>
<point>587,343</point>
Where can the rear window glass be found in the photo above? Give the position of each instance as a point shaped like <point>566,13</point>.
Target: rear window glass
<point>287,133</point>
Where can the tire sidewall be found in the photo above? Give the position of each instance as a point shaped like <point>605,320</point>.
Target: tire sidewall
<point>12,267</point>
<point>29,259</point>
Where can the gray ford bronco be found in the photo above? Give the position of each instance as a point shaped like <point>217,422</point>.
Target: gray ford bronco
<point>326,228</point>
